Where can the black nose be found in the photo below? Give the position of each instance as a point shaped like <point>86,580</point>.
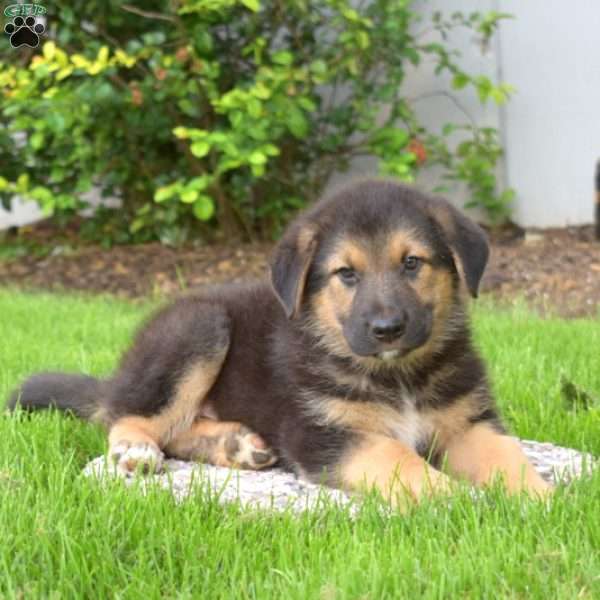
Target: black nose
<point>388,330</point>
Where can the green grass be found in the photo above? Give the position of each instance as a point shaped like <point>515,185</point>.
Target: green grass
<point>64,537</point>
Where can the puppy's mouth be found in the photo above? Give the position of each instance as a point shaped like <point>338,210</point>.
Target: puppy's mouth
<point>387,355</point>
<point>365,348</point>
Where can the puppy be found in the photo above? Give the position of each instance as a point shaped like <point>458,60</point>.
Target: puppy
<point>354,366</point>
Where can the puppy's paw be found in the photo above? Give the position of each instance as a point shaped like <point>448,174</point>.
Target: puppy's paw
<point>245,449</point>
<point>136,457</point>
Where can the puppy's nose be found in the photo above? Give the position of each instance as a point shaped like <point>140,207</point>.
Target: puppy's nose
<point>388,330</point>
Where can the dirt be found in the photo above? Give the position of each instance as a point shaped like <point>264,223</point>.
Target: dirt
<point>555,270</point>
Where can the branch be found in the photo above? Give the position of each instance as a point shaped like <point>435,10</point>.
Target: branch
<point>450,97</point>
<point>148,14</point>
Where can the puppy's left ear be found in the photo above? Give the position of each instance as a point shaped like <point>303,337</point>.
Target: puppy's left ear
<point>290,265</point>
<point>468,242</point>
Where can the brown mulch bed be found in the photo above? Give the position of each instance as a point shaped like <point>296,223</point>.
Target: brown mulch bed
<point>556,270</point>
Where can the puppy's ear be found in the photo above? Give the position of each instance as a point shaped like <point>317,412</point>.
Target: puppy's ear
<point>468,242</point>
<point>290,264</point>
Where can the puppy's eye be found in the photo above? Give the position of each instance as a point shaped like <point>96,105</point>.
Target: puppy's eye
<point>412,263</point>
<point>348,276</point>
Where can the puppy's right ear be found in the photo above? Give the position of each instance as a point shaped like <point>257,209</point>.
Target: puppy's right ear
<point>290,265</point>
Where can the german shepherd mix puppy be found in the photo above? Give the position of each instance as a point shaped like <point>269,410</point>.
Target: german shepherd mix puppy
<point>355,366</point>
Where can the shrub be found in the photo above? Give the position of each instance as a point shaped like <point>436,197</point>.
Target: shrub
<point>226,115</point>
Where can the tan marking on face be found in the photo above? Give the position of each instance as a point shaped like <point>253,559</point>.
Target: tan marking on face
<point>350,254</point>
<point>405,243</point>
<point>332,304</point>
<point>434,286</point>
<point>329,305</point>
<point>481,455</point>
<point>400,474</point>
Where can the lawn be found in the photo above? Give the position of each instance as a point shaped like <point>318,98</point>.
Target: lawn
<point>65,537</point>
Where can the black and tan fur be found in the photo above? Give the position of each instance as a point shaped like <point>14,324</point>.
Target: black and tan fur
<point>352,366</point>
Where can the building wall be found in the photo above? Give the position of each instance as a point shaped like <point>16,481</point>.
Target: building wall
<point>551,127</point>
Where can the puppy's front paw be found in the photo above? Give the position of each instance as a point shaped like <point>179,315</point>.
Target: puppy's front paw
<point>136,457</point>
<point>245,449</point>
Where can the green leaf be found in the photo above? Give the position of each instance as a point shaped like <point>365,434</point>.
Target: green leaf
<point>164,193</point>
<point>189,196</point>
<point>181,132</point>
<point>198,183</point>
<point>137,224</point>
<point>203,208</point>
<point>253,5</point>
<point>460,80</point>
<point>22,182</point>
<point>257,170</point>
<point>283,57</point>
<point>270,150</point>
<point>257,158</point>
<point>307,104</point>
<point>261,91</point>
<point>254,107</point>
<point>36,141</point>
<point>448,128</point>
<point>297,123</point>
<point>200,149</point>
<point>41,195</point>
<point>318,67</point>
<point>57,174</point>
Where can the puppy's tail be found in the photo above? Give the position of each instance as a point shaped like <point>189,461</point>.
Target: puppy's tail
<point>79,394</point>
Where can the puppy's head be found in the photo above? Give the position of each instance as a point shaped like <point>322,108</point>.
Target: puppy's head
<point>376,269</point>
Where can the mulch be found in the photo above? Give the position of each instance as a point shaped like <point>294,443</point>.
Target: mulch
<point>555,271</point>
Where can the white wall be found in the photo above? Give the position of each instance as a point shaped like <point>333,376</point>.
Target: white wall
<point>22,213</point>
<point>551,53</point>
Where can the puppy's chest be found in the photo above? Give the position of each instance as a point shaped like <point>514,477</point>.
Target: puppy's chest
<point>409,425</point>
<point>389,411</point>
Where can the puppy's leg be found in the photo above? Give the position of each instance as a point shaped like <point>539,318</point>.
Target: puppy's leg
<point>482,454</point>
<point>136,442</point>
<point>222,443</point>
<point>357,460</point>
<point>133,445</point>
<point>163,381</point>
<point>398,472</point>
